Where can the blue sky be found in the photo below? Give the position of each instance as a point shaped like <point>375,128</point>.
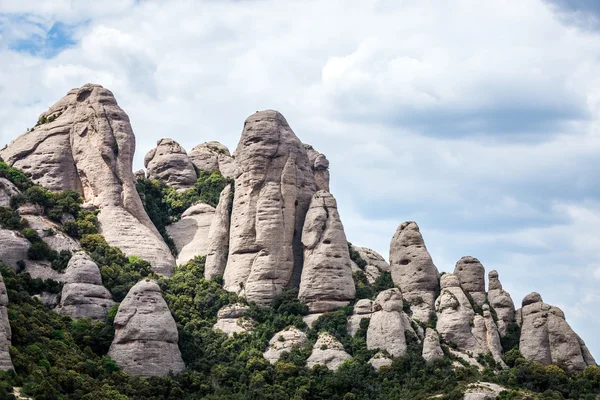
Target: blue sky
<point>479,121</point>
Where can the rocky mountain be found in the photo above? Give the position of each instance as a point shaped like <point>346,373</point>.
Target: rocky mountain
<point>226,275</point>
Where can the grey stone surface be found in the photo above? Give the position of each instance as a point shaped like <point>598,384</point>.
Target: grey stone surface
<point>501,302</point>
<point>362,309</point>
<point>327,351</point>
<point>7,190</point>
<point>431,346</point>
<point>190,233</point>
<point>284,341</point>
<point>230,320</point>
<point>379,361</point>
<point>168,162</point>
<point>320,167</point>
<point>387,326</point>
<point>376,264</point>
<point>212,156</point>
<point>471,274</point>
<point>5,331</point>
<point>218,237</point>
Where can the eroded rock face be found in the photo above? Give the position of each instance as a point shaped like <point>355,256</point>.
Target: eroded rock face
<point>83,295</point>
<point>548,339</point>
<point>218,237</point>
<point>284,341</point>
<point>501,302</point>
<point>431,346</point>
<point>7,190</point>
<point>471,274</point>
<point>326,282</point>
<point>320,167</point>
<point>362,309</point>
<point>376,264</point>
<point>379,361</point>
<point>273,188</point>
<point>413,270</point>
<point>89,148</point>
<point>13,249</point>
<point>146,337</point>
<point>5,331</point>
<point>190,233</point>
<point>212,156</point>
<point>387,326</point>
<point>169,163</point>
<point>327,351</point>
<point>51,233</point>
<point>486,332</point>
<point>230,320</point>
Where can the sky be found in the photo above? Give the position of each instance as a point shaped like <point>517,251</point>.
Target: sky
<point>478,120</point>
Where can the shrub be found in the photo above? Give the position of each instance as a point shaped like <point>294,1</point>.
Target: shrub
<point>10,219</point>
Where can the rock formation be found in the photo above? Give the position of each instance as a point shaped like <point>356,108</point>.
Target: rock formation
<point>7,190</point>
<point>387,326</point>
<point>380,360</point>
<point>547,338</point>
<point>83,295</point>
<point>284,341</point>
<point>50,233</point>
<point>486,332</point>
<point>362,309</point>
<point>376,264</point>
<point>501,302</point>
<point>320,167</point>
<point>190,233</point>
<point>230,320</point>
<point>5,331</point>
<point>471,275</point>
<point>273,188</point>
<point>146,337</point>
<point>88,147</point>
<point>327,351</point>
<point>169,163</point>
<point>431,346</point>
<point>14,248</point>
<point>212,156</point>
<point>413,270</point>
<point>326,282</point>
<point>218,237</point>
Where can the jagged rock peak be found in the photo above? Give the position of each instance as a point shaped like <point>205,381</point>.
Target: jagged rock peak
<point>273,189</point>
<point>413,270</point>
<point>84,142</point>
<point>320,167</point>
<point>211,156</point>
<point>547,338</point>
<point>502,303</point>
<point>471,274</point>
<point>83,295</point>
<point>326,282</point>
<point>169,162</point>
<point>5,331</point>
<point>146,336</point>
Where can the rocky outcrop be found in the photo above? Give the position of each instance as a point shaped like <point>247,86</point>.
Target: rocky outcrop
<point>362,309</point>
<point>230,320</point>
<point>387,326</point>
<point>483,391</point>
<point>273,188</point>
<point>51,233</point>
<point>7,190</point>
<point>139,174</point>
<point>168,162</point>
<point>431,346</point>
<point>83,295</point>
<point>190,233</point>
<point>413,270</point>
<point>326,282</point>
<point>320,167</point>
<point>218,237</point>
<point>376,264</point>
<point>146,337</point>
<point>14,248</point>
<point>85,143</point>
<point>284,341</point>
<point>212,156</point>
<point>486,332</point>
<point>5,331</point>
<point>501,302</point>
<point>380,360</point>
<point>471,274</point>
<point>547,338</point>
<point>327,351</point>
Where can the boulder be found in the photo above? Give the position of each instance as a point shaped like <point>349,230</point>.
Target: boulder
<point>387,326</point>
<point>146,336</point>
<point>14,248</point>
<point>471,274</point>
<point>51,233</point>
<point>190,233</point>
<point>380,360</point>
<point>483,391</point>
<point>168,162</point>
<point>413,270</point>
<point>327,351</point>
<point>362,309</point>
<point>7,190</point>
<point>218,237</point>
<point>211,156</point>
<point>431,346</point>
<point>230,320</point>
<point>273,188</point>
<point>326,282</point>
<point>139,174</point>
<point>320,167</point>
<point>501,302</point>
<point>284,341</point>
<point>376,264</point>
<point>88,147</point>
<point>547,338</point>
<point>83,295</point>
<point>5,331</point>
<point>486,332</point>
<point>48,299</point>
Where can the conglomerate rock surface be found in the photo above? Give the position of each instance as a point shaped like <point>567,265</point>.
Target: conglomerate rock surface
<point>169,163</point>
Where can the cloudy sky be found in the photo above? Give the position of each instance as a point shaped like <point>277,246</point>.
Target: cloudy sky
<point>479,121</point>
